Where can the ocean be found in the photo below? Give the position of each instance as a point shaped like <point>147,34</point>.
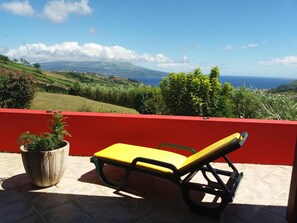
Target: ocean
<point>236,81</point>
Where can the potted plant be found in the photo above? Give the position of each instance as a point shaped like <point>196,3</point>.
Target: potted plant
<point>45,156</point>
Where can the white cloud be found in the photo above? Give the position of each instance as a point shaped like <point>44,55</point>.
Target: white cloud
<point>92,30</point>
<point>232,47</point>
<point>21,8</point>
<point>56,11</point>
<point>173,65</point>
<point>250,45</point>
<point>73,51</point>
<point>228,47</point>
<point>288,60</point>
<point>59,10</point>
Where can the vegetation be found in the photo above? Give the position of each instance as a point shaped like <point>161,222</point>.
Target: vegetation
<point>63,102</point>
<point>190,93</point>
<point>46,141</point>
<point>196,94</point>
<point>17,89</point>
<point>288,89</point>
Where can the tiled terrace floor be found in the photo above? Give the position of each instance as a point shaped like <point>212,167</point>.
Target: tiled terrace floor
<point>80,197</point>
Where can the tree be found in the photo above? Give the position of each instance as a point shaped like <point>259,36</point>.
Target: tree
<point>36,65</point>
<point>4,59</point>
<point>17,89</point>
<point>195,94</point>
<point>25,62</point>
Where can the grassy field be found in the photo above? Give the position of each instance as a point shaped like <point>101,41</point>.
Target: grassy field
<point>62,102</point>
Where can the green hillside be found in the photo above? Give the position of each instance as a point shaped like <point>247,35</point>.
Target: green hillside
<point>289,89</point>
<point>63,102</point>
<point>60,82</point>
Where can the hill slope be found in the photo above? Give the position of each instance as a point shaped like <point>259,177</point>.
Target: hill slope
<point>121,69</point>
<point>61,81</point>
<point>62,102</point>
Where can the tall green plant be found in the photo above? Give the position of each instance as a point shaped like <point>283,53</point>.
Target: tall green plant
<point>246,102</point>
<point>278,107</point>
<point>46,141</point>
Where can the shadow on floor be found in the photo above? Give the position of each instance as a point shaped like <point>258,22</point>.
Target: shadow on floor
<point>147,200</point>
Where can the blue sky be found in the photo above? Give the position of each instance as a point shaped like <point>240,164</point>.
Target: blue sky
<point>255,37</point>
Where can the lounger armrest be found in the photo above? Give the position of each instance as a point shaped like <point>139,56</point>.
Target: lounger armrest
<point>154,162</point>
<point>177,147</point>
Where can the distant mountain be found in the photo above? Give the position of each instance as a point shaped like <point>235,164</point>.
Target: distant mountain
<point>121,69</point>
<point>292,86</point>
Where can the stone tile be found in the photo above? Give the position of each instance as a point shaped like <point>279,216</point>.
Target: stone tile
<point>8,197</point>
<point>267,216</point>
<point>67,213</point>
<point>15,211</point>
<point>80,197</point>
<point>45,201</point>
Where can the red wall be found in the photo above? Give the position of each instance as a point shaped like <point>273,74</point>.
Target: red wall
<point>269,142</point>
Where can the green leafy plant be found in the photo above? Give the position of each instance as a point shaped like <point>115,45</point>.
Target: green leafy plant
<point>17,89</point>
<point>46,141</point>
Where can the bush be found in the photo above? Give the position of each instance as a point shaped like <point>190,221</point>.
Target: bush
<point>196,94</point>
<point>279,107</point>
<point>17,89</point>
<point>247,102</point>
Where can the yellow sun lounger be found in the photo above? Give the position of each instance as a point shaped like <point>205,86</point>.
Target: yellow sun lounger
<point>180,169</point>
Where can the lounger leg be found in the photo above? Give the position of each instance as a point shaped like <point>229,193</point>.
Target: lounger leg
<point>99,164</point>
<point>203,208</point>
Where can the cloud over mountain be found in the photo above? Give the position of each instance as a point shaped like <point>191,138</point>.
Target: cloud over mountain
<point>73,51</point>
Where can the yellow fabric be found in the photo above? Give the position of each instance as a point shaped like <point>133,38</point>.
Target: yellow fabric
<point>213,148</point>
<point>125,153</point>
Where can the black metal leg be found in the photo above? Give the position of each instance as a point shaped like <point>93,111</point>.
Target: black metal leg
<point>99,164</point>
<point>207,209</point>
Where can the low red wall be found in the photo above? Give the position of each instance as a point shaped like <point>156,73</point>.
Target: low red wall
<point>269,142</point>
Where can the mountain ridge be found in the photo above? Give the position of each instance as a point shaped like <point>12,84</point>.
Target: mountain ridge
<point>121,69</point>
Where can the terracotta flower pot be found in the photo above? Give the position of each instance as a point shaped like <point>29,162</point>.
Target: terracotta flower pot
<point>45,168</point>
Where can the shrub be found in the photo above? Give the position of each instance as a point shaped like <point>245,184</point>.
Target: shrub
<point>196,94</point>
<point>278,107</point>
<point>17,89</point>
<point>247,102</point>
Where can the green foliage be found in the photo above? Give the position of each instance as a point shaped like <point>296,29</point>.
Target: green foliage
<point>63,102</point>
<point>17,89</point>
<point>131,97</point>
<point>290,87</point>
<point>150,101</point>
<point>247,102</point>
<point>195,94</point>
<point>48,140</point>
<point>278,107</point>
<point>4,59</point>
<point>36,65</point>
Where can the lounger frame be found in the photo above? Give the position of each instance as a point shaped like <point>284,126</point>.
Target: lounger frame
<point>225,190</point>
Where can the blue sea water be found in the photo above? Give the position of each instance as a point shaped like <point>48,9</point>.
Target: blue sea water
<point>236,81</point>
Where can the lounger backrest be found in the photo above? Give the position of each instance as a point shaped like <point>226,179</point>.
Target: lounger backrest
<point>221,146</point>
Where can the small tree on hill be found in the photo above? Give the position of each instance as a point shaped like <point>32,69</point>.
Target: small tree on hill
<point>36,65</point>
<point>4,59</point>
<point>17,89</point>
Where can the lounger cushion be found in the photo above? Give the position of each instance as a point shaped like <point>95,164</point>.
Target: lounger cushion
<point>210,150</point>
<point>124,153</point>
